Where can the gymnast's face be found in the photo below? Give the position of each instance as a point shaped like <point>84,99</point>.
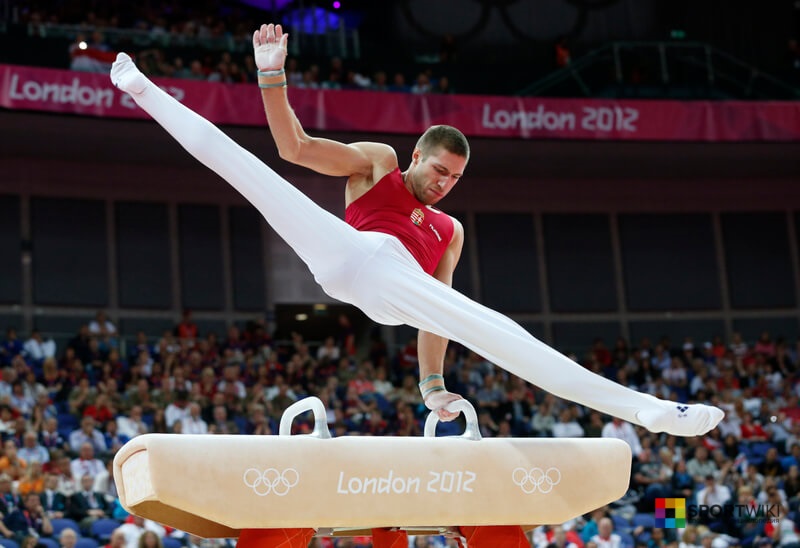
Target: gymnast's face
<point>430,178</point>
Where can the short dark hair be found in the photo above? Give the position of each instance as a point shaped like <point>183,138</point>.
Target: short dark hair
<point>446,137</point>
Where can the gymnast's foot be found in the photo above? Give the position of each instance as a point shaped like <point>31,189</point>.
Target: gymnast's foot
<point>126,76</point>
<point>680,419</point>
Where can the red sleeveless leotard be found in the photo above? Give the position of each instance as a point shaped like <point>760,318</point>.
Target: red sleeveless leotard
<point>390,208</point>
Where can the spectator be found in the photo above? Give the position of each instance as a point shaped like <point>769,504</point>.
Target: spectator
<point>114,440</point>
<point>193,423</point>
<point>139,394</point>
<point>559,539</point>
<point>68,538</point>
<point>37,348</point>
<point>623,431</point>
<point>21,402</point>
<point>53,502</point>
<point>87,434</point>
<point>100,410</point>
<point>117,539</point>
<point>379,81</point>
<point>606,537</point>
<point>32,450</point>
<point>650,478</point>
<point>10,463</point>
<point>104,331</point>
<point>29,519</point>
<point>567,426</point>
<point>80,344</point>
<point>765,345</point>
<point>713,493</point>
<point>178,410</point>
<point>187,330</point>
<point>87,506</point>
<point>398,84</point>
<point>294,76</point>
<point>700,466</point>
<point>563,57</point>
<point>50,438</point>
<point>81,395</point>
<point>33,479</point>
<point>751,431</point>
<point>133,529</point>
<point>328,350</point>
<point>86,464</point>
<point>220,423</point>
<point>443,86</point>
<point>10,347</point>
<point>150,539</point>
<point>230,376</point>
<point>782,531</point>
<point>133,424</point>
<point>422,84</point>
<point>105,485</point>
<point>682,483</point>
<point>544,418</point>
<point>67,481</point>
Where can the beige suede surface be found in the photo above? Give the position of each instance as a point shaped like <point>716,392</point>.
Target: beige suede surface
<point>216,485</point>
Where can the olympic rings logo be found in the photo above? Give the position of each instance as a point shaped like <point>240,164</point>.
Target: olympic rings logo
<point>536,479</point>
<point>271,481</point>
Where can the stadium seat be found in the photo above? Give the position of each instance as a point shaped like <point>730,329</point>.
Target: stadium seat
<point>87,542</point>
<point>169,542</point>
<point>646,520</point>
<point>59,524</point>
<point>48,542</point>
<point>621,523</point>
<point>101,529</point>
<point>8,543</point>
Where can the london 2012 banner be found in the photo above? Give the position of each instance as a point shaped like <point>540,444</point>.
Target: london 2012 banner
<point>92,94</point>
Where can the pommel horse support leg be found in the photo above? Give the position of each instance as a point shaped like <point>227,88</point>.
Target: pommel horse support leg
<point>229,486</point>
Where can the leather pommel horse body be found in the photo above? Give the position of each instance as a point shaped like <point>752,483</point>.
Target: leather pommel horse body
<point>217,486</point>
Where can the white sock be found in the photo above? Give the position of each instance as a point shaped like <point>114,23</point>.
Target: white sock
<point>680,419</point>
<point>126,76</point>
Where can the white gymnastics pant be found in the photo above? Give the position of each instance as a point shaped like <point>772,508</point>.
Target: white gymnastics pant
<point>375,273</point>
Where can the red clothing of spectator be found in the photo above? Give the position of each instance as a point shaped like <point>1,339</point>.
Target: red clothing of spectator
<point>100,414</point>
<point>768,349</point>
<point>603,356</point>
<point>362,386</point>
<point>731,382</point>
<point>752,431</point>
<point>408,358</point>
<point>187,329</point>
<point>793,412</point>
<point>571,536</point>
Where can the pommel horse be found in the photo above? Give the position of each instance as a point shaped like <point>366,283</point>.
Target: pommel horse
<point>282,490</point>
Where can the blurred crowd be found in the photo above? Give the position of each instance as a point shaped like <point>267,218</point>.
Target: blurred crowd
<point>203,41</point>
<point>64,412</point>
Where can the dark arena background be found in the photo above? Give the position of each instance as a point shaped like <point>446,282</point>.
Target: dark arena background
<point>632,199</point>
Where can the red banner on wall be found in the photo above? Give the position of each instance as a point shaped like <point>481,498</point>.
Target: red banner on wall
<point>50,90</point>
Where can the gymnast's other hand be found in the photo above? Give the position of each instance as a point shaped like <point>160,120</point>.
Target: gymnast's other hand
<point>269,47</point>
<point>436,402</point>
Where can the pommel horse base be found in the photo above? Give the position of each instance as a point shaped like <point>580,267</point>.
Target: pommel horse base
<point>258,488</point>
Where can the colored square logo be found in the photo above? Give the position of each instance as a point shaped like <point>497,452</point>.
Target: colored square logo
<point>670,513</point>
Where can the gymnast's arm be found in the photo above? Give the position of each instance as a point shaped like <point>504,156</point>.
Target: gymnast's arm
<point>432,348</point>
<point>294,144</point>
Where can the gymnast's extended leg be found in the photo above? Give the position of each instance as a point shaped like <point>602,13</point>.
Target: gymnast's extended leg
<point>322,240</point>
<point>407,294</point>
